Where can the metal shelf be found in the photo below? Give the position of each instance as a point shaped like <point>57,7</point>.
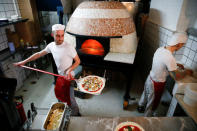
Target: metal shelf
<point>12,22</point>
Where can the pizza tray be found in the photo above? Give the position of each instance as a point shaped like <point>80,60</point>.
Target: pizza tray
<point>80,81</point>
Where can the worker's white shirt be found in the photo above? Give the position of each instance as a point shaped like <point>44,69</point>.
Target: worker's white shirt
<point>163,61</point>
<point>63,55</point>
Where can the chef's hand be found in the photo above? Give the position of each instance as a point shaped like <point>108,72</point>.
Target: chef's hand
<point>19,63</point>
<point>180,66</point>
<point>69,75</point>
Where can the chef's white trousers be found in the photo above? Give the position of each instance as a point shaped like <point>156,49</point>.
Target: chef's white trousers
<point>147,97</point>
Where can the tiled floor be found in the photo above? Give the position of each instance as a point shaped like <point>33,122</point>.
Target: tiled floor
<point>108,103</point>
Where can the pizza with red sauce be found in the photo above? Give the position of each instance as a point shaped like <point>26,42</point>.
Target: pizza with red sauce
<point>92,84</point>
<point>129,126</point>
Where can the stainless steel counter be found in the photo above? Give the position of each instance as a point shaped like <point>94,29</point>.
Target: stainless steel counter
<point>148,123</point>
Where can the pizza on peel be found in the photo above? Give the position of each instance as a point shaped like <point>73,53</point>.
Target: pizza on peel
<point>92,84</point>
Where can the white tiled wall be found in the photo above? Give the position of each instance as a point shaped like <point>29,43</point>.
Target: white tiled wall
<point>3,37</point>
<point>190,53</point>
<point>7,9</point>
<point>156,36</point>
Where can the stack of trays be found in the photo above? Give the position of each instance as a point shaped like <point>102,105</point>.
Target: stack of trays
<point>190,95</point>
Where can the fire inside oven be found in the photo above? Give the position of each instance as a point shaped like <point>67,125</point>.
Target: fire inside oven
<point>92,47</point>
<point>96,46</point>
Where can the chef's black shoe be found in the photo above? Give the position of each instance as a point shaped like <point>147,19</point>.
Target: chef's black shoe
<point>79,114</point>
<point>140,109</point>
<point>165,103</point>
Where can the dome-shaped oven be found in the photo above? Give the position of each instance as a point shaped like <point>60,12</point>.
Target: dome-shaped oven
<point>100,18</point>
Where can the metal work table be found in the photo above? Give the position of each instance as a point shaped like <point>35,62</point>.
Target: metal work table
<point>12,22</point>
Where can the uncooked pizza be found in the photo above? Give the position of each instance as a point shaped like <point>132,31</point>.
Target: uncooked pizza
<point>92,83</point>
<point>129,126</point>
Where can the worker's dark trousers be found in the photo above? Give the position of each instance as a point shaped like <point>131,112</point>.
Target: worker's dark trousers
<point>74,105</point>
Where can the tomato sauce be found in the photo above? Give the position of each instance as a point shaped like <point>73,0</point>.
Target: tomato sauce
<point>126,127</point>
<point>94,90</point>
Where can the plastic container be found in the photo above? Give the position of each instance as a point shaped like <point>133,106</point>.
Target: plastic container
<point>22,42</point>
<point>190,95</point>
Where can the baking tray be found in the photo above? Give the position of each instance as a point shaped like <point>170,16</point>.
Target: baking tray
<point>52,108</point>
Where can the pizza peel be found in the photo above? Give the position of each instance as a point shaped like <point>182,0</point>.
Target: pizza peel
<point>61,82</point>
<point>62,86</point>
<point>27,67</point>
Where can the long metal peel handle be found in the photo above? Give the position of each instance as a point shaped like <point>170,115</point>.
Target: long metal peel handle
<point>41,71</point>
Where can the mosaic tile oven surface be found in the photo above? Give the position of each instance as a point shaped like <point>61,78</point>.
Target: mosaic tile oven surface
<point>101,23</point>
<point>102,5</point>
<point>101,27</point>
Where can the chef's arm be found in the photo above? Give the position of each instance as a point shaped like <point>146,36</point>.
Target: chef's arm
<point>75,64</point>
<point>177,75</point>
<point>32,57</point>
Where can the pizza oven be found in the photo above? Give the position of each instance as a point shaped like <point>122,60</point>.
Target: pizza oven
<point>104,35</point>
<point>101,31</point>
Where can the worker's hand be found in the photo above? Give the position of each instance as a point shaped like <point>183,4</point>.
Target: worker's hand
<point>69,75</point>
<point>189,72</point>
<point>180,66</point>
<point>19,63</point>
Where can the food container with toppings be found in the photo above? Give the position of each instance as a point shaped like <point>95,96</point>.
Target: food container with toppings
<point>55,117</point>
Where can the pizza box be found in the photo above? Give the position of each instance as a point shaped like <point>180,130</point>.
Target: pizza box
<point>101,81</point>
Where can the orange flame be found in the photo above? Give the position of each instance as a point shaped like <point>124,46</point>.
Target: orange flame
<point>92,47</point>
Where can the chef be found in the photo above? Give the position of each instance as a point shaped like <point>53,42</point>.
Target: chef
<point>163,64</point>
<point>63,54</point>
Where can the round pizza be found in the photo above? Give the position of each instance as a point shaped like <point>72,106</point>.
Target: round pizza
<point>92,83</point>
<point>129,126</point>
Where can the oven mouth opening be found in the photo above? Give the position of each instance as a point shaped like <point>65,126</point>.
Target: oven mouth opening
<point>92,47</point>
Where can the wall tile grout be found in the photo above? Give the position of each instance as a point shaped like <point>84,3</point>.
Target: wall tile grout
<point>188,52</point>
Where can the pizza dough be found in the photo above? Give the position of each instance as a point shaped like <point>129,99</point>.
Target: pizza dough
<point>129,126</point>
